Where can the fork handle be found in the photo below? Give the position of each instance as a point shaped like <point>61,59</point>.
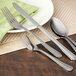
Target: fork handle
<point>49,48</point>
<point>60,63</point>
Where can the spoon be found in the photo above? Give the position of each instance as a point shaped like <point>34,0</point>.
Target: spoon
<point>59,29</point>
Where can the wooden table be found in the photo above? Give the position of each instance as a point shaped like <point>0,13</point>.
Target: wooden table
<point>28,63</point>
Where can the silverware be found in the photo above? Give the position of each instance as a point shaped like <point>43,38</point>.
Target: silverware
<point>31,46</point>
<point>68,53</point>
<point>13,22</point>
<point>59,29</point>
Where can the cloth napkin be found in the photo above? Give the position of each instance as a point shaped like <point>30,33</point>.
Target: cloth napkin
<point>4,25</point>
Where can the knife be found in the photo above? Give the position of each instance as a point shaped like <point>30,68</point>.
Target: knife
<point>68,53</point>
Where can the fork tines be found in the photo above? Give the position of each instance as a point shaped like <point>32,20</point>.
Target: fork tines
<point>7,14</point>
<point>10,18</point>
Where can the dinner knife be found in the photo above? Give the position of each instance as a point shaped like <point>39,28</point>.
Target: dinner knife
<point>68,53</point>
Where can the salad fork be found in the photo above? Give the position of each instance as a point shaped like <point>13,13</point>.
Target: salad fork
<point>31,46</point>
<point>13,22</point>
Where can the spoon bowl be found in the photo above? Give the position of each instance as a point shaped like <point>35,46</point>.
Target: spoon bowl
<point>58,27</point>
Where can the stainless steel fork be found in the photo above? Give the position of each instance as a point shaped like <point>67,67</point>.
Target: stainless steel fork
<point>13,22</point>
<point>31,46</point>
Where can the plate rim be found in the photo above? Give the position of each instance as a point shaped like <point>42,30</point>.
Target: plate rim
<point>34,27</point>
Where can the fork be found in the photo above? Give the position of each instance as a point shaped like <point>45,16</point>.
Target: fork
<point>31,46</point>
<point>13,22</point>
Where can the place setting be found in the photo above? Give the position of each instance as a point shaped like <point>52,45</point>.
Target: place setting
<point>24,21</point>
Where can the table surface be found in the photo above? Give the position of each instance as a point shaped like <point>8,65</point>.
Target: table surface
<point>28,63</point>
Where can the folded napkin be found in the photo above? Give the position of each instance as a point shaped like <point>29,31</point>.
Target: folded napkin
<point>4,25</point>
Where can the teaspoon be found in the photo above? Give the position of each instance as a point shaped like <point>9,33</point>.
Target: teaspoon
<point>59,29</point>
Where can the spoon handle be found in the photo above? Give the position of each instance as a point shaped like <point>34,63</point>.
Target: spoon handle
<point>71,44</point>
<point>60,63</point>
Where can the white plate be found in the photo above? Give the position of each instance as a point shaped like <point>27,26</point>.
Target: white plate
<point>44,14</point>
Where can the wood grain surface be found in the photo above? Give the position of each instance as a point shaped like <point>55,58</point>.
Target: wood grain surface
<point>28,63</point>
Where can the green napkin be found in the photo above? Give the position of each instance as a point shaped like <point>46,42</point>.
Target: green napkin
<point>4,25</point>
